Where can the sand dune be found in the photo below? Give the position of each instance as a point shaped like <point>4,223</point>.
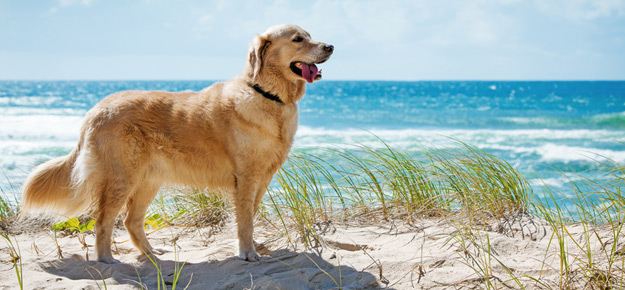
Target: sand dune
<point>425,254</point>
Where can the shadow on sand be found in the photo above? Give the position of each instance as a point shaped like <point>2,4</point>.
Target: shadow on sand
<point>283,269</point>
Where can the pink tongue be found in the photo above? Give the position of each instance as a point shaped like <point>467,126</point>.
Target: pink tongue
<point>309,72</point>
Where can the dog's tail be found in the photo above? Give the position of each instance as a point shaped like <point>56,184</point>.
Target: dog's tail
<point>49,188</point>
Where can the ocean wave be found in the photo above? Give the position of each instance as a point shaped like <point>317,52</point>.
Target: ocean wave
<point>30,111</point>
<point>539,145</point>
<point>38,128</point>
<point>551,152</point>
<point>313,136</point>
<point>556,152</point>
<point>30,101</point>
<point>553,182</point>
<point>604,121</point>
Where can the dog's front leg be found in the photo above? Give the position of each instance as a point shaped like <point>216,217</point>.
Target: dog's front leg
<point>244,198</point>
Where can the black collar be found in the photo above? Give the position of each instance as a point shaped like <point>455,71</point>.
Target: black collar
<point>266,94</point>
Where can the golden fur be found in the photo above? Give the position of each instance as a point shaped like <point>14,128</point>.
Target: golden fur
<point>227,136</point>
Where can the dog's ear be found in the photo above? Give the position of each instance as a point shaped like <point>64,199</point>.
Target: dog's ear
<point>258,48</point>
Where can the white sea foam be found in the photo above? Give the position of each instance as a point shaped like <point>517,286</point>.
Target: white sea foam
<point>30,101</point>
<point>554,182</point>
<point>39,127</point>
<point>563,153</point>
<point>551,152</point>
<point>533,133</point>
<point>26,140</point>
<point>546,144</point>
<point>22,111</point>
<point>505,139</point>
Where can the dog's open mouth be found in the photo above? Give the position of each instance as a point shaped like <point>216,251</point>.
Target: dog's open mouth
<point>309,72</point>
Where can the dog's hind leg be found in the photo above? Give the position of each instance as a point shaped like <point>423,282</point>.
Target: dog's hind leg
<point>111,199</point>
<point>137,205</point>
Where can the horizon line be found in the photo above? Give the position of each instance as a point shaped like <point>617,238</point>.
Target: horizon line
<point>332,80</point>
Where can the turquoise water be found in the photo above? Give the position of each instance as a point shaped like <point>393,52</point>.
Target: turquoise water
<point>543,129</point>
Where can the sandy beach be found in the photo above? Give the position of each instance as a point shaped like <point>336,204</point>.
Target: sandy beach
<point>426,253</point>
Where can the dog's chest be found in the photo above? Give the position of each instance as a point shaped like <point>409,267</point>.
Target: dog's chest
<point>282,134</point>
<point>265,137</point>
<point>289,126</point>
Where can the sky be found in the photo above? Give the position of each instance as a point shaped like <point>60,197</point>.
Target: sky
<point>374,40</point>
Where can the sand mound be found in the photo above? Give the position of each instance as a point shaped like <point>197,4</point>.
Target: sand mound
<point>434,254</point>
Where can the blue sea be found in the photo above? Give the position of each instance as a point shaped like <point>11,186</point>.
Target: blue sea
<point>553,132</point>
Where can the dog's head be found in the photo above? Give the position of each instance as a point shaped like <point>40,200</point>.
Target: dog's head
<point>289,52</point>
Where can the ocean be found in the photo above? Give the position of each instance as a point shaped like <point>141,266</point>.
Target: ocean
<point>553,132</point>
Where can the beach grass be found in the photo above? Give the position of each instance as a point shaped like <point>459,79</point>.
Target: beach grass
<point>462,184</point>
<point>187,207</point>
<point>594,206</point>
<point>16,259</point>
<point>389,183</point>
<point>9,208</point>
<point>160,280</point>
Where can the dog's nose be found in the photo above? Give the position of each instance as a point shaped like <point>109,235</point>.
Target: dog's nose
<point>329,48</point>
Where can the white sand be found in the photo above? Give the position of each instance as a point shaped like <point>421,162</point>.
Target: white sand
<point>428,255</point>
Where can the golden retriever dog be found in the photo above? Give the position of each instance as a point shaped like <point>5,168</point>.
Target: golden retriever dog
<point>231,136</point>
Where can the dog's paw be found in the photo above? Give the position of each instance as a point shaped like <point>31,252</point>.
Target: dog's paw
<point>160,251</point>
<point>250,256</point>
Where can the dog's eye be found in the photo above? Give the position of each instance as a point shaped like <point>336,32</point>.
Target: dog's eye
<point>298,39</point>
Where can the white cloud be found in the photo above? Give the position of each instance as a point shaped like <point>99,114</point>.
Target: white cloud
<point>471,24</point>
<point>68,3</point>
<point>65,3</point>
<point>582,9</point>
